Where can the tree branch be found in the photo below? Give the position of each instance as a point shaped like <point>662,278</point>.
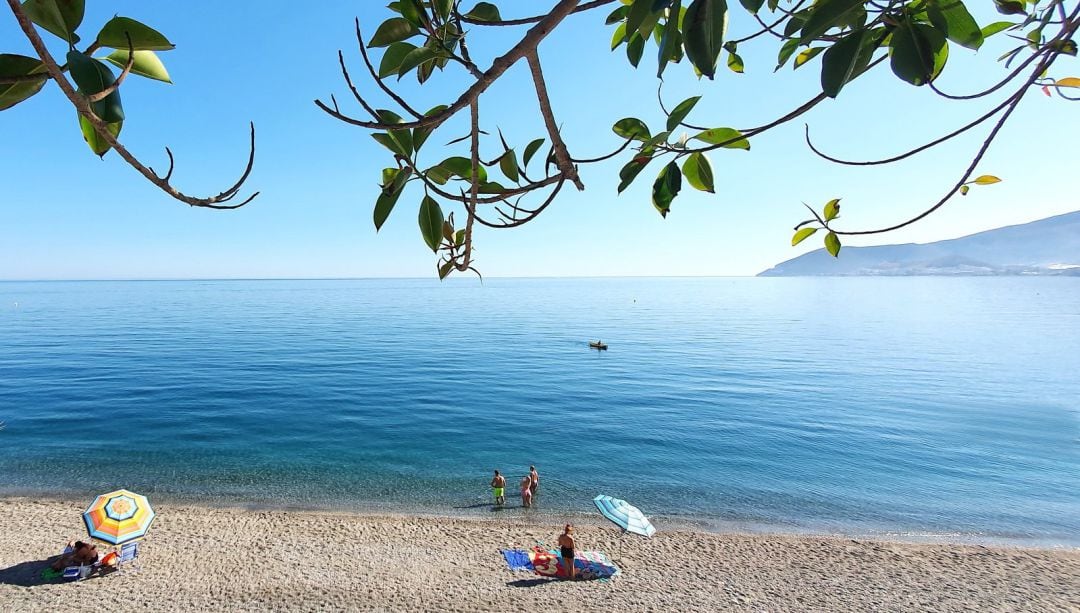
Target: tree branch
<point>562,156</point>
<point>376,77</point>
<point>83,106</point>
<point>501,64</point>
<point>527,20</point>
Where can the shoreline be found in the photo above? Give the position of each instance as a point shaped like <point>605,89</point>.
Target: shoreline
<point>514,513</point>
<point>216,558</point>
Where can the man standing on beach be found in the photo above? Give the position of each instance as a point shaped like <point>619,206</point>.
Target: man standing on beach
<point>498,485</point>
<point>535,478</point>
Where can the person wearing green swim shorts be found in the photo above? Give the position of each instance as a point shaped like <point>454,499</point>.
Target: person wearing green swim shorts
<point>498,487</point>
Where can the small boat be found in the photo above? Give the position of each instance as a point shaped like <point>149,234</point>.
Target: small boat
<point>598,345</point>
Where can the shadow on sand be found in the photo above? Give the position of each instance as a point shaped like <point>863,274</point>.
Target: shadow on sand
<point>530,582</point>
<point>26,574</point>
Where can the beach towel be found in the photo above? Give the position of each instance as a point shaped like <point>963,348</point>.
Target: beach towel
<point>517,559</point>
<point>587,564</point>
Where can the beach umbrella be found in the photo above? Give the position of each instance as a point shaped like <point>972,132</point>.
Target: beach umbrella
<point>118,517</point>
<point>624,514</point>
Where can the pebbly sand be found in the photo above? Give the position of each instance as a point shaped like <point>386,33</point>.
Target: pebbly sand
<point>204,559</point>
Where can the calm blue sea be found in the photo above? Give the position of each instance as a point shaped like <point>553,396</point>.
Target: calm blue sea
<point>922,407</point>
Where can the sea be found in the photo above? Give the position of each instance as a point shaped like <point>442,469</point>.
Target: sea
<point>915,408</point>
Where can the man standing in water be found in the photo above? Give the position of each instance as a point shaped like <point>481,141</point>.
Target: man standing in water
<point>534,478</point>
<point>498,485</point>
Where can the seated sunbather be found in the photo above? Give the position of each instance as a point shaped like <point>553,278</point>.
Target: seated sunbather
<point>76,553</point>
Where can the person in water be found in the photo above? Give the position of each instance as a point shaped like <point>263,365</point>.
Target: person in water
<point>498,485</point>
<point>526,491</point>
<point>566,550</point>
<point>534,480</point>
<point>76,553</point>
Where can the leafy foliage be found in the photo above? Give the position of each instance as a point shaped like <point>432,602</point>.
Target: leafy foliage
<point>129,39</point>
<point>850,37</point>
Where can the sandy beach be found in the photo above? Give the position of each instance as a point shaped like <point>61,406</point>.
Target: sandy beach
<point>203,559</point>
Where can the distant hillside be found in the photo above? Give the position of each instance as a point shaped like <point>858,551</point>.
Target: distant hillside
<point>1046,247</point>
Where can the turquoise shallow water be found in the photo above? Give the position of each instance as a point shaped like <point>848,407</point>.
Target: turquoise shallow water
<point>929,407</point>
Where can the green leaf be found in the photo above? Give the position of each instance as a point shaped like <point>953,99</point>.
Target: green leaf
<point>1010,7</point>
<point>415,58</point>
<point>619,36</point>
<point>394,180</point>
<point>420,135</point>
<point>631,127</point>
<point>802,235</point>
<point>415,12</point>
<point>666,187</point>
<point>826,14</point>
<point>509,166</point>
<point>484,11</point>
<point>832,209</point>
<point>699,173</point>
<point>431,222</point>
<point>146,64</point>
<point>115,34</point>
<point>1068,47</point>
<point>12,65</point>
<point>844,61</point>
<point>670,49</point>
<point>806,55</point>
<point>97,144</point>
<point>964,189</point>
<point>445,268</point>
<point>953,18</point>
<point>462,167</point>
<point>93,77</point>
<point>531,149</point>
<point>59,17</point>
<point>730,137</point>
<point>832,243</point>
<point>459,237</point>
<point>631,170</point>
<point>918,52</point>
<point>786,51</point>
<point>635,49</point>
<point>402,139</point>
<point>443,7</point>
<point>393,30</point>
<point>617,15</point>
<point>680,112</point>
<point>392,58</point>
<point>752,5</point>
<point>390,143</point>
<point>635,17</point>
<point>994,28</point>
<point>491,187</point>
<point>735,62</point>
<point>704,26</point>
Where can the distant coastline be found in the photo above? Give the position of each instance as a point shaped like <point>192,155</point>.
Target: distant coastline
<point>1047,247</point>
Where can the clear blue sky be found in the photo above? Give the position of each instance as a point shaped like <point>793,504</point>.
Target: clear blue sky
<point>66,215</point>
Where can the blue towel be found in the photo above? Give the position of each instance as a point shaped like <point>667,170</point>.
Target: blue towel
<point>517,559</point>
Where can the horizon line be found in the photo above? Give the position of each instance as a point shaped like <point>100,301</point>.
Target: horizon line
<point>181,279</point>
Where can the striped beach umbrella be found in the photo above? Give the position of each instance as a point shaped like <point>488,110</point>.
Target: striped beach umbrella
<point>118,517</point>
<point>625,515</point>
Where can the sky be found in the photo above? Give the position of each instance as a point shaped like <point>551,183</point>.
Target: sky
<point>64,214</point>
